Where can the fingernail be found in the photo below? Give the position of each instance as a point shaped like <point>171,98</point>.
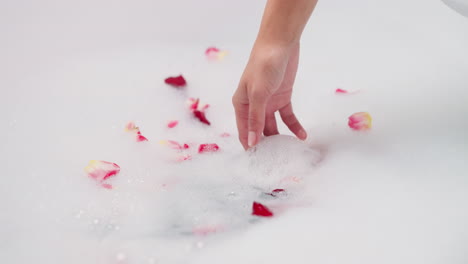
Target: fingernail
<point>251,139</point>
<point>302,134</point>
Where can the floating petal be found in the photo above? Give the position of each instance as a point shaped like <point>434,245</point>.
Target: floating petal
<point>101,171</point>
<point>213,53</point>
<point>259,209</point>
<point>178,81</point>
<point>360,121</point>
<point>203,148</point>
<point>132,128</point>
<point>342,91</point>
<point>172,123</point>
<point>277,192</point>
<point>198,110</point>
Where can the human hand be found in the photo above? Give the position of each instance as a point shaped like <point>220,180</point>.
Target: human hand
<point>266,87</point>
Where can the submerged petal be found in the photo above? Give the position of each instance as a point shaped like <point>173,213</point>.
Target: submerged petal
<point>101,170</point>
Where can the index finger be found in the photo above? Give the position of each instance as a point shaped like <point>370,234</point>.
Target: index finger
<point>242,119</point>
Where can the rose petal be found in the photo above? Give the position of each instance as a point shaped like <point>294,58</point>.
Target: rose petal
<point>172,123</point>
<point>213,53</point>
<point>203,148</point>
<point>341,91</point>
<point>290,179</point>
<point>360,121</point>
<point>211,50</point>
<point>277,192</point>
<point>201,116</point>
<point>206,230</point>
<point>174,144</point>
<point>132,128</point>
<point>177,81</point>
<point>140,138</point>
<point>225,135</point>
<point>101,170</point>
<point>259,209</point>
<point>184,157</point>
<point>106,185</point>
<point>198,110</point>
<point>194,104</point>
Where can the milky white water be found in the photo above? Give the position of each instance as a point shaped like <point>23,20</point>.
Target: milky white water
<point>73,73</point>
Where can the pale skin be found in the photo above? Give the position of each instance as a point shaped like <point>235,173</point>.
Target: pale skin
<point>267,82</point>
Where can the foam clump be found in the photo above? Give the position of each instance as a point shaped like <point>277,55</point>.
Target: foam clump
<point>281,160</point>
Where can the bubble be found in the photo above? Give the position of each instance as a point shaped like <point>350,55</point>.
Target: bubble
<point>282,160</point>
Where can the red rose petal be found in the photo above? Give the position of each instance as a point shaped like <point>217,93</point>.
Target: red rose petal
<point>201,116</point>
<point>259,209</point>
<point>178,81</point>
<point>198,110</point>
<point>276,192</point>
<point>193,104</point>
<point>203,148</point>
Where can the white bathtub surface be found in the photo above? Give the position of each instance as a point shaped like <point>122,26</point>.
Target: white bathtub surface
<point>73,73</point>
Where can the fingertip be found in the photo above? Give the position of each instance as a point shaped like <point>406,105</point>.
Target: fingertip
<point>252,139</point>
<point>302,134</point>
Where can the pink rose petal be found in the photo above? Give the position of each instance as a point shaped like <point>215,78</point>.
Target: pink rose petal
<point>341,91</point>
<point>184,158</point>
<point>106,186</point>
<point>174,144</point>
<point>360,121</point>
<point>259,209</point>
<point>141,138</point>
<point>213,53</point>
<point>172,123</point>
<point>132,128</point>
<point>225,135</point>
<point>101,171</point>
<point>203,148</point>
<point>206,230</point>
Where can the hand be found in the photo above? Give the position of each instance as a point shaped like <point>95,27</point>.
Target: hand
<point>266,87</point>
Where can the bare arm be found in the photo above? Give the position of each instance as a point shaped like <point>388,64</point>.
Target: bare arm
<point>266,84</point>
<point>284,20</point>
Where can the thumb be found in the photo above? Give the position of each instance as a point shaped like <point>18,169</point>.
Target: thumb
<point>257,106</point>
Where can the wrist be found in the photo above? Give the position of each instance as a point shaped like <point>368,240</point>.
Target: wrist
<point>274,48</point>
<point>276,43</point>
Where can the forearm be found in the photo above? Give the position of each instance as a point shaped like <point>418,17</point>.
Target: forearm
<point>284,20</point>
